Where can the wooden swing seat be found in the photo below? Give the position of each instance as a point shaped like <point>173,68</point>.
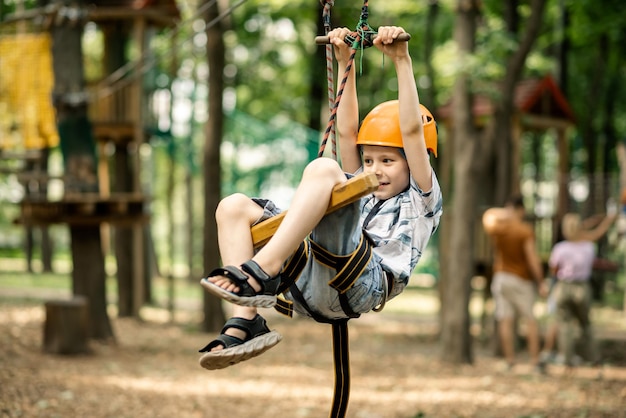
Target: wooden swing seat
<point>343,194</point>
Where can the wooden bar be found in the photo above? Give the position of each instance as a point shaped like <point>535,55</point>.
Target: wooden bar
<point>343,194</point>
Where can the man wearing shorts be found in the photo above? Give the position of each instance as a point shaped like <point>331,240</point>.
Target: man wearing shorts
<point>517,270</point>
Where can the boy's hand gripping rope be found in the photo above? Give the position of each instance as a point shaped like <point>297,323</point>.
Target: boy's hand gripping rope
<point>355,40</point>
<point>362,38</point>
<point>333,108</point>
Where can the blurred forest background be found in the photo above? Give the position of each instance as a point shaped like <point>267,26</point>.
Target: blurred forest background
<point>182,102</point>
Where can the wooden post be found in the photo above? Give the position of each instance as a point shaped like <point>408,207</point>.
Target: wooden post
<point>516,155</point>
<point>621,158</point>
<point>66,330</point>
<point>563,176</point>
<point>137,100</point>
<point>138,269</point>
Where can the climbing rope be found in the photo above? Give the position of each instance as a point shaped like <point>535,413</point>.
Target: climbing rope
<point>330,77</point>
<point>361,38</point>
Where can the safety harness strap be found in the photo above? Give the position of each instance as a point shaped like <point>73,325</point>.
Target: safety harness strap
<point>284,307</point>
<point>294,266</point>
<point>349,267</point>
<point>341,357</point>
<point>289,275</point>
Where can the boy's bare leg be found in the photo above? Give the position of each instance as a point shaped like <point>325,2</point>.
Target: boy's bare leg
<point>307,208</point>
<point>237,213</point>
<point>234,216</point>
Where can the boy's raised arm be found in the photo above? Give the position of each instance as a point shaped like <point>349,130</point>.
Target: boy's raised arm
<point>411,125</point>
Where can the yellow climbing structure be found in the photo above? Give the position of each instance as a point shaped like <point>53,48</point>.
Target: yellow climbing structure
<point>27,118</point>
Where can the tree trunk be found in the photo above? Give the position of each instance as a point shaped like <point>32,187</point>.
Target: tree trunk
<point>469,167</point>
<point>455,320</point>
<point>189,244</point>
<point>214,317</point>
<point>502,121</point>
<point>88,278</point>
<point>171,222</point>
<point>123,236</point>
<point>115,38</point>
<point>503,143</point>
<point>563,47</point>
<point>430,97</point>
<point>77,145</point>
<point>38,189</point>
<point>455,335</point>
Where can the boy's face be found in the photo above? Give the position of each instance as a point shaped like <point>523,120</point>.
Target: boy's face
<point>390,167</point>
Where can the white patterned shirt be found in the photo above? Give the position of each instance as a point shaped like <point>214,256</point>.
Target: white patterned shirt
<point>402,228</point>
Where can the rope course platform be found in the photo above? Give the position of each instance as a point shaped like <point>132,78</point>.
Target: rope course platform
<point>85,209</point>
<point>119,133</point>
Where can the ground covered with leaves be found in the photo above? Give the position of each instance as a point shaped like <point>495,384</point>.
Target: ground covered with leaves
<point>153,371</point>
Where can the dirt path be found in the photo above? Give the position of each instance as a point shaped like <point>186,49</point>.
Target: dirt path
<point>396,372</point>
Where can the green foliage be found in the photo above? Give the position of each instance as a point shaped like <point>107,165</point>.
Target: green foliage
<point>11,6</point>
<point>260,156</point>
<point>93,49</point>
<point>595,89</point>
<point>269,48</point>
<point>594,19</point>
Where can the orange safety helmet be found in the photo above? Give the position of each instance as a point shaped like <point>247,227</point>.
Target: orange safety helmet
<point>381,126</point>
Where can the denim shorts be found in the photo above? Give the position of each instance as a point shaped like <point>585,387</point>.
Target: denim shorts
<point>339,233</point>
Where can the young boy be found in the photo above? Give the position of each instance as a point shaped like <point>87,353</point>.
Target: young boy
<point>391,227</point>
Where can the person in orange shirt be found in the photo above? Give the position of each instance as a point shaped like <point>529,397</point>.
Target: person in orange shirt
<point>518,274</point>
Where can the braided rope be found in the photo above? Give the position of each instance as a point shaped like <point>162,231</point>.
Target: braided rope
<point>330,76</point>
<point>333,111</point>
<point>359,39</point>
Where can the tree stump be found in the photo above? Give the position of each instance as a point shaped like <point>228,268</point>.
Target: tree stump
<point>66,330</point>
